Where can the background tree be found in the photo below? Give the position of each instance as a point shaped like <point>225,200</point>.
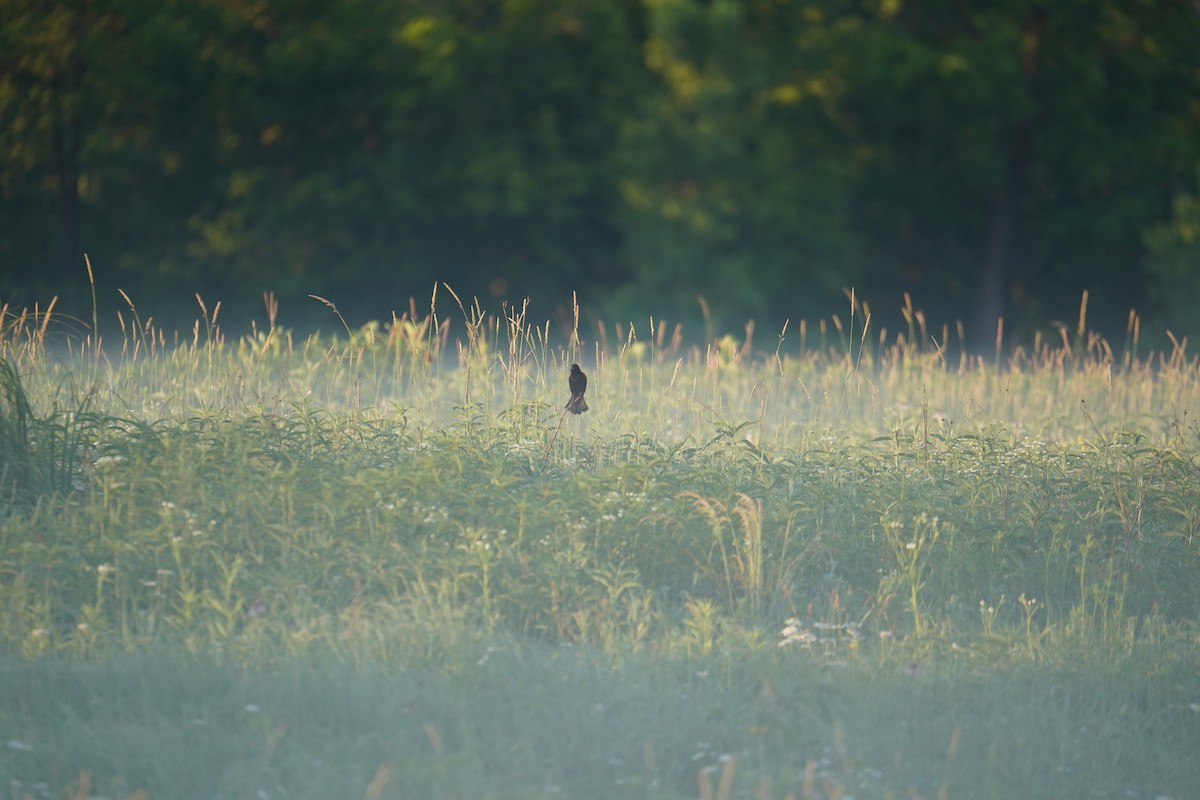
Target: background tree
<point>996,157</point>
<point>1174,265</point>
<point>735,171</point>
<point>45,104</point>
<point>1019,149</point>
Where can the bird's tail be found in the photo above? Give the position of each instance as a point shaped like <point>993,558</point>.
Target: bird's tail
<point>577,405</point>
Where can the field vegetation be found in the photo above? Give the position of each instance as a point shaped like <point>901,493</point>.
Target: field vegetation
<point>831,561</point>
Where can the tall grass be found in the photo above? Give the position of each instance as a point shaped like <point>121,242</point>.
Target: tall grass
<point>853,526</point>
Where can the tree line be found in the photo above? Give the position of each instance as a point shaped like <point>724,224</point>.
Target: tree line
<point>993,157</point>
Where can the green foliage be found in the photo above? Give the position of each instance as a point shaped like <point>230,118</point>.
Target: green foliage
<point>1174,257</point>
<point>38,455</point>
<point>736,174</point>
<point>1005,143</point>
<point>992,160</point>
<point>15,450</point>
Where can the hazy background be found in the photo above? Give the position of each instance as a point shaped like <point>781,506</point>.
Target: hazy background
<point>990,157</point>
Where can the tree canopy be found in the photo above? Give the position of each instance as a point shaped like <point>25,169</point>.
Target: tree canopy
<point>992,158</point>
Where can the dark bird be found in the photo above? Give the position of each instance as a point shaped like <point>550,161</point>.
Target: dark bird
<point>578,384</point>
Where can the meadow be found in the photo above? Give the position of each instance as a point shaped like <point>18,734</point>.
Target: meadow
<point>834,562</point>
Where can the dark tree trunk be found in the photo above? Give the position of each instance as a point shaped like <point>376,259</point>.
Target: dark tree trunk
<point>994,273</point>
<point>1002,241</point>
<point>66,155</point>
<point>67,99</point>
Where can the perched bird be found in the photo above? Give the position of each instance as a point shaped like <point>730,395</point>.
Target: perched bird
<point>578,384</point>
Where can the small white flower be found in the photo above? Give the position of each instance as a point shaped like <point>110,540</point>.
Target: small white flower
<point>793,633</point>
